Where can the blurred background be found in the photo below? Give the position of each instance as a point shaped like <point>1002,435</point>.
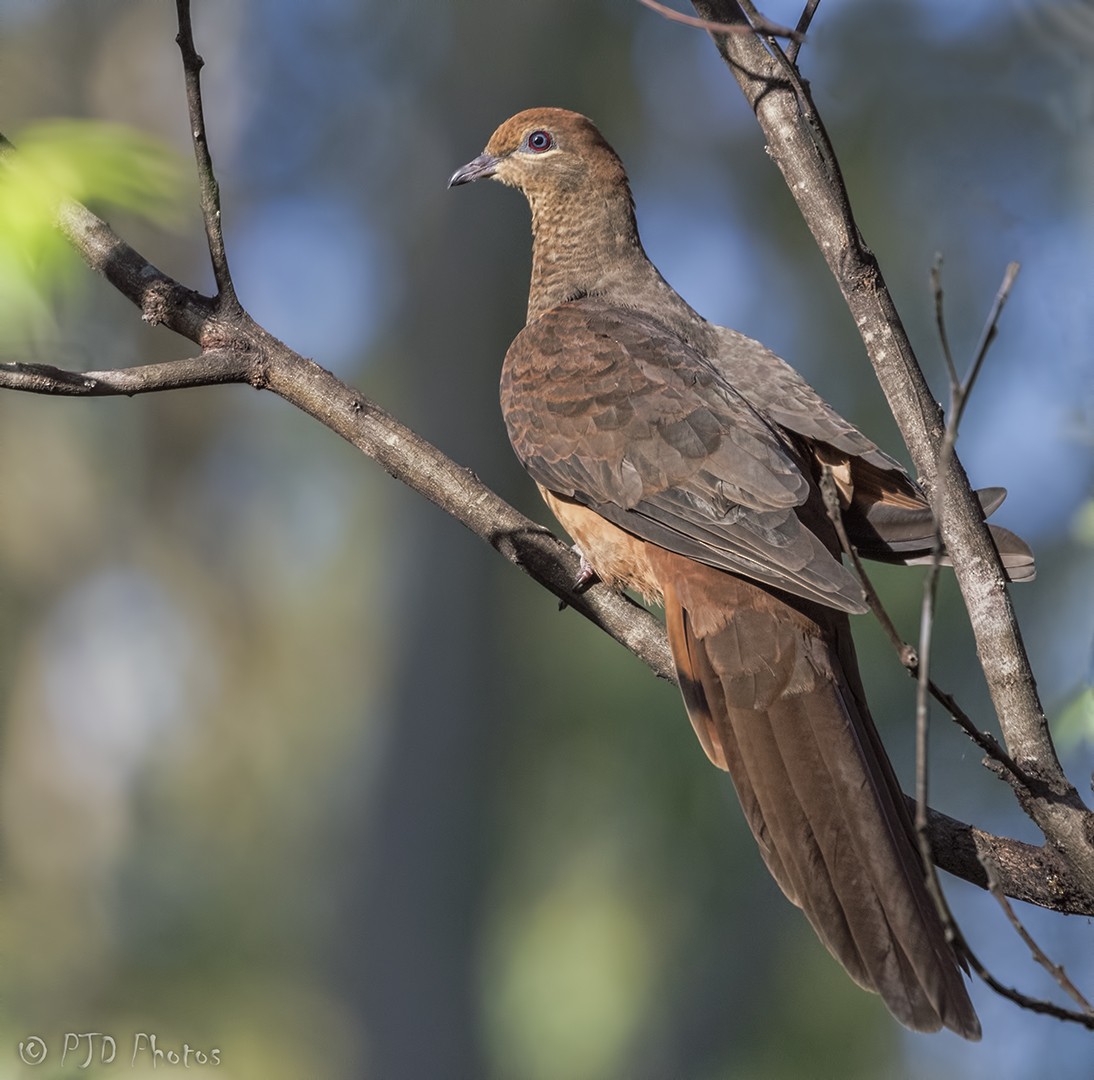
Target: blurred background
<point>294,767</point>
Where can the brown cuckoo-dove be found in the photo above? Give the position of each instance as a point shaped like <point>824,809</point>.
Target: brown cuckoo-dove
<point>685,461</point>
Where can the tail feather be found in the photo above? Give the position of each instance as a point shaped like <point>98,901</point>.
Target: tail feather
<point>889,519</point>
<point>772,688</point>
<point>1014,553</point>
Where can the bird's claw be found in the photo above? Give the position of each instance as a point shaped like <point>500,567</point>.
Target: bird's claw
<point>586,578</point>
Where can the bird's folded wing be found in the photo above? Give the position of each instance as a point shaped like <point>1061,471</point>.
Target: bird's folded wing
<point>771,384</point>
<point>886,514</point>
<point>607,407</point>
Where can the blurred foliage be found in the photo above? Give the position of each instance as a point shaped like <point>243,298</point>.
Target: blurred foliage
<point>104,165</point>
<point>1083,528</point>
<point>1075,722</point>
<point>292,765</point>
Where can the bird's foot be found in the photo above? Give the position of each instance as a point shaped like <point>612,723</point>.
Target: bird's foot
<point>586,578</point>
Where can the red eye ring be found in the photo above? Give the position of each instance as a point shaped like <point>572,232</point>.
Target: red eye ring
<point>539,141</point>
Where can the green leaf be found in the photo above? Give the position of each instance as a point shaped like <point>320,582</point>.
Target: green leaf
<point>110,166</point>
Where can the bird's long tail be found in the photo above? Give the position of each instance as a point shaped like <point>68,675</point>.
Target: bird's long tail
<point>772,687</point>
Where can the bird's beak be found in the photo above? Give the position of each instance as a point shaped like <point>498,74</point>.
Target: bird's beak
<point>483,165</point>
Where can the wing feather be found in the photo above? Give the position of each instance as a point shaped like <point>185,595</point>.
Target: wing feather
<point>608,407</point>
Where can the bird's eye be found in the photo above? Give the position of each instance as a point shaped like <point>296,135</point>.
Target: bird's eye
<point>539,141</point>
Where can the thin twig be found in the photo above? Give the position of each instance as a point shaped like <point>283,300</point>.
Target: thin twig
<point>760,24</point>
<point>802,28</point>
<point>1057,971</point>
<point>959,393</point>
<point>960,390</point>
<point>934,888</point>
<point>209,369</point>
<point>1037,1005</point>
<point>192,63</point>
<point>922,733</point>
<point>940,320</point>
<point>905,651</point>
<point>922,814</point>
<point>991,328</point>
<point>831,504</point>
<point>926,624</point>
<point>984,739</point>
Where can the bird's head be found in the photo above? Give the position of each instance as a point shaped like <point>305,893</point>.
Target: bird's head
<point>584,236</point>
<point>545,151</point>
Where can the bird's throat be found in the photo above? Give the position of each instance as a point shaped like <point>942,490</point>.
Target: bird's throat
<point>582,245</point>
<point>586,243</point>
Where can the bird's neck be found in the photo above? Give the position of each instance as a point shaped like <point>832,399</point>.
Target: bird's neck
<point>588,245</point>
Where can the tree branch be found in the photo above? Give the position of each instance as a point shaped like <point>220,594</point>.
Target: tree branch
<point>208,369</point>
<point>760,24</point>
<point>799,145</point>
<point>1037,875</point>
<point>236,349</point>
<point>161,299</point>
<point>266,363</point>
